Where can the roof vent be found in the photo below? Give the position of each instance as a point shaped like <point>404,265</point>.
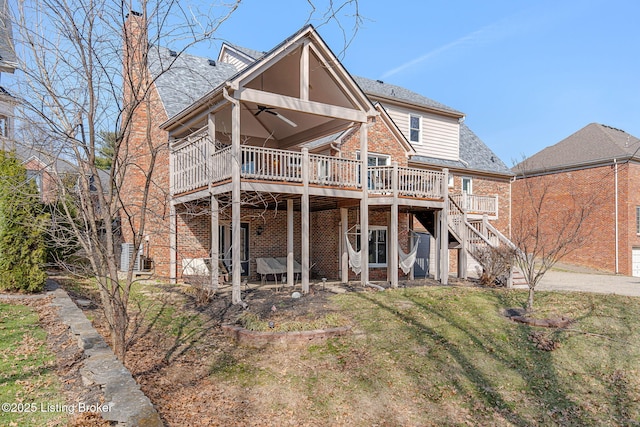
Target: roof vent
<point>380,81</point>
<point>212,62</point>
<point>173,53</point>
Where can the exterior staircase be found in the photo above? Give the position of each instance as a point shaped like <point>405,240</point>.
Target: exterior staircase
<point>475,234</point>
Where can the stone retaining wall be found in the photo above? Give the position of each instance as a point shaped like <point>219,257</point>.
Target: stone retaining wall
<point>128,406</point>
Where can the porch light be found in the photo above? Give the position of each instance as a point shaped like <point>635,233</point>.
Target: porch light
<point>259,230</point>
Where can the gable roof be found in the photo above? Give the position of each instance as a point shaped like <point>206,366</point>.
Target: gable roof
<point>475,156</point>
<point>249,55</point>
<point>593,144</point>
<point>181,80</point>
<point>234,80</point>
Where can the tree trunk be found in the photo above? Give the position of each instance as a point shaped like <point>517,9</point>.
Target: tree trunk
<point>530,300</point>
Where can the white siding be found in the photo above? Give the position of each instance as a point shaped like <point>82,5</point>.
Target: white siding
<point>232,58</point>
<point>440,134</point>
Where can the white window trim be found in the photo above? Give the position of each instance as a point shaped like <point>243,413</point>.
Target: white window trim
<point>374,228</point>
<point>419,117</point>
<point>470,191</point>
<point>451,181</point>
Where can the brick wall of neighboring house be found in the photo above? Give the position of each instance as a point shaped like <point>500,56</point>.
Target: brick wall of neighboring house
<point>380,140</point>
<point>569,192</point>
<point>628,201</point>
<point>48,186</point>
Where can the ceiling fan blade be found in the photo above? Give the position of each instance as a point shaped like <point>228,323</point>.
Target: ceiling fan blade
<point>284,119</point>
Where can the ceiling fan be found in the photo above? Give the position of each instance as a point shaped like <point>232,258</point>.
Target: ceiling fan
<point>264,108</point>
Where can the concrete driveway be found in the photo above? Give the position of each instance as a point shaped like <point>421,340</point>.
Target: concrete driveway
<point>560,280</point>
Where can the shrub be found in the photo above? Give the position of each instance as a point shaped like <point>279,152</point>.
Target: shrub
<point>22,227</point>
<point>496,264</point>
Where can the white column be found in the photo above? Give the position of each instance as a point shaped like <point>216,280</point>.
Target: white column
<point>437,246</point>
<point>173,226</point>
<point>444,231</point>
<point>392,262</point>
<point>344,226</point>
<point>410,228</point>
<point>304,219</point>
<point>364,204</point>
<point>215,238</point>
<point>236,159</point>
<point>290,273</point>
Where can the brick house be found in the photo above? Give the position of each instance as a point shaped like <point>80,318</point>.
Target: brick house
<point>598,165</point>
<point>283,154</point>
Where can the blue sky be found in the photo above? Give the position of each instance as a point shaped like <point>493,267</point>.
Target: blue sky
<point>526,73</point>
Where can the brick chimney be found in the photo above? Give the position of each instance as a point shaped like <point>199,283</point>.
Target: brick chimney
<point>135,41</point>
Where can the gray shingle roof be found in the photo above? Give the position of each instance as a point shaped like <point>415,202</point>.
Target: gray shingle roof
<point>475,155</point>
<point>376,87</point>
<point>184,79</point>
<point>594,143</point>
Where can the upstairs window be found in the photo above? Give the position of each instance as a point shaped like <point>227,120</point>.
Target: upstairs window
<point>415,128</point>
<point>4,126</point>
<point>637,219</point>
<point>467,185</point>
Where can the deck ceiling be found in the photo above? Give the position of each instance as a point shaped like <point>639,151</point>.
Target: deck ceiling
<point>281,123</point>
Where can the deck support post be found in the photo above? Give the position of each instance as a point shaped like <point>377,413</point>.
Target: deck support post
<point>236,242</point>
<point>444,230</point>
<point>304,220</point>
<point>173,228</point>
<point>393,230</point>
<point>290,272</point>
<point>364,204</point>
<point>344,259</point>
<point>215,241</point>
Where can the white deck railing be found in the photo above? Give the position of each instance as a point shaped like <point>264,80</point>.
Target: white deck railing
<point>411,182</point>
<point>196,164</point>
<point>191,162</point>
<point>476,204</point>
<point>333,171</point>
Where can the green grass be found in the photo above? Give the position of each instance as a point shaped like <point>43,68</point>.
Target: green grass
<point>27,378</point>
<point>447,356</point>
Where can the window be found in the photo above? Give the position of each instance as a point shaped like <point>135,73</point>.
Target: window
<point>415,132</point>
<point>377,246</point>
<point>374,160</point>
<point>36,177</point>
<point>467,185</point>
<point>637,219</point>
<point>4,126</point>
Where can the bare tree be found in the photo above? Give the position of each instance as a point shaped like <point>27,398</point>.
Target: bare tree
<point>86,74</point>
<point>550,220</point>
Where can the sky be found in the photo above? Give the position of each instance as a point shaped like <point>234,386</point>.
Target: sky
<point>527,74</point>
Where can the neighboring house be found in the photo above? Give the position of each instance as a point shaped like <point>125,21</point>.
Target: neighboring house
<point>598,166</point>
<point>8,64</point>
<point>283,154</point>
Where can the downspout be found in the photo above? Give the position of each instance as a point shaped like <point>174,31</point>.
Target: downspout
<point>615,178</point>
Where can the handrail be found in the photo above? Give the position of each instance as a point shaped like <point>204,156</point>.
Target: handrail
<point>477,204</point>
